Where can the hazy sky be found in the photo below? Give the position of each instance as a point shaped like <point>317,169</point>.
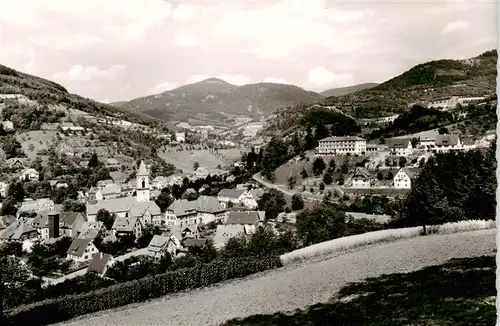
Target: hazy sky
<point>114,50</point>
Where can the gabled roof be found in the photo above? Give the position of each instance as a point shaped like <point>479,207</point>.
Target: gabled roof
<point>412,173</point>
<point>124,224</point>
<point>447,140</point>
<point>111,188</point>
<point>226,232</point>
<point>6,220</point>
<point>362,173</point>
<point>29,171</point>
<point>158,242</point>
<point>138,209</point>
<point>99,262</point>
<point>231,193</point>
<point>242,217</point>
<point>16,230</point>
<point>194,242</point>
<point>468,141</point>
<point>78,246</point>
<point>102,183</point>
<point>68,219</point>
<point>399,142</point>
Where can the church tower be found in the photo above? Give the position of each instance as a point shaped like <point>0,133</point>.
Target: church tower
<point>142,188</point>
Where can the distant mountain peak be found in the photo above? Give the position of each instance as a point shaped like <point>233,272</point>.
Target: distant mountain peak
<point>214,80</point>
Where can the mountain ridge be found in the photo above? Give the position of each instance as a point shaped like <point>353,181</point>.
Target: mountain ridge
<point>348,89</point>
<point>214,99</point>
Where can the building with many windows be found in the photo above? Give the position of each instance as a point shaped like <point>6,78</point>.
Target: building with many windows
<point>342,145</point>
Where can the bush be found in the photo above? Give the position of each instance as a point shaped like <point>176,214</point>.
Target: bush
<point>67,307</point>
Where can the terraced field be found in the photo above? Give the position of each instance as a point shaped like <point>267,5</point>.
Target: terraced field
<point>295,286</point>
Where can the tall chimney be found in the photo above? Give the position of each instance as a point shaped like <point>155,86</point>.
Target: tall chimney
<point>53,225</point>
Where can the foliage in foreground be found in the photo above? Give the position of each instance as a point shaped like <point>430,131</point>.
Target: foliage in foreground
<point>67,307</point>
<point>460,293</point>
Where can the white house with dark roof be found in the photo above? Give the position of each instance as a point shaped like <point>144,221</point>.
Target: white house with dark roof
<point>361,178</point>
<point>446,143</point>
<point>29,175</point>
<point>81,250</point>
<point>404,178</point>
<point>100,263</point>
<point>400,146</point>
<point>341,145</point>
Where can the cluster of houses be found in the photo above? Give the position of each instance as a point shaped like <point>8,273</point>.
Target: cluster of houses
<point>231,213</point>
<point>401,146</point>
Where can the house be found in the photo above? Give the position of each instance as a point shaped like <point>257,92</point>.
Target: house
<point>140,206</point>
<point>16,162</point>
<point>91,230</point>
<point>233,196</point>
<point>84,163</point>
<point>160,182</point>
<point>7,125</point>
<point>70,223</point>
<point>362,178</point>
<point>201,172</point>
<point>175,179</point>
<point>100,263</point>
<point>378,218</point>
<point>4,186</point>
<point>226,232</point>
<point>103,183</point>
<point>6,220</point>
<point>112,163</point>
<point>204,209</point>
<point>160,245</point>
<point>373,148</point>
<point>19,231</point>
<point>127,226</point>
<point>341,145</point>
<point>109,191</point>
<point>41,205</point>
<point>81,250</point>
<point>180,137</point>
<point>248,219</point>
<point>194,242</point>
<point>468,143</point>
<point>427,141</point>
<point>446,143</point>
<point>29,175</point>
<point>404,178</point>
<point>287,217</point>
<point>400,146</point>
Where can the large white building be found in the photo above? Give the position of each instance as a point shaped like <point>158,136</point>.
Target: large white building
<point>341,145</point>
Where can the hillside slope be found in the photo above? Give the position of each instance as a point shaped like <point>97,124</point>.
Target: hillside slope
<point>214,99</point>
<point>348,90</point>
<point>49,92</point>
<point>423,83</point>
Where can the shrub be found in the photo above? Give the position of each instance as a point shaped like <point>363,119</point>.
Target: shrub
<point>67,307</point>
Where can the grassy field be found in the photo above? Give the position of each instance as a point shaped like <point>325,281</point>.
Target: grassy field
<point>459,292</point>
<point>34,141</point>
<point>184,160</point>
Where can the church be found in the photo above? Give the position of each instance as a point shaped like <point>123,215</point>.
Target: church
<point>139,206</point>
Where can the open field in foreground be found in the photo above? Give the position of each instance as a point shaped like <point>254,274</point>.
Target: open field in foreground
<point>460,292</point>
<point>295,286</point>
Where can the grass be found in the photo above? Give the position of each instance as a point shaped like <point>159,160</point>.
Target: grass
<point>351,242</point>
<point>460,292</point>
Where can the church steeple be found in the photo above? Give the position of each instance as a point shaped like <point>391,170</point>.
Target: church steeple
<point>142,187</point>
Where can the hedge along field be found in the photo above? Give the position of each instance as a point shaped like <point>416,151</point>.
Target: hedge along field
<point>64,308</point>
<point>339,245</point>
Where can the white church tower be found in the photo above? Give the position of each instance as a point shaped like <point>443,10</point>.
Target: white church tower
<point>142,188</point>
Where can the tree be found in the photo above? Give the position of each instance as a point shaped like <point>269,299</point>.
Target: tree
<point>292,182</point>
<point>164,200</point>
<point>414,141</point>
<point>297,202</point>
<point>421,164</point>
<point>321,131</point>
<point>443,131</point>
<point>402,162</point>
<point>390,175</point>
<point>106,218</point>
<point>304,173</point>
<point>332,165</point>
<point>196,165</point>
<point>148,232</point>
<point>273,202</point>
<point>94,161</point>
<point>328,178</point>
<point>322,186</point>
<point>380,175</point>
<point>323,223</point>
<point>318,166</point>
<point>16,191</point>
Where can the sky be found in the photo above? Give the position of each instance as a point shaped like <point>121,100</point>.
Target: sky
<point>114,50</point>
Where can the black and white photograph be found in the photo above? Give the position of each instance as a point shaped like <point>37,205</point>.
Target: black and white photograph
<point>248,162</point>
